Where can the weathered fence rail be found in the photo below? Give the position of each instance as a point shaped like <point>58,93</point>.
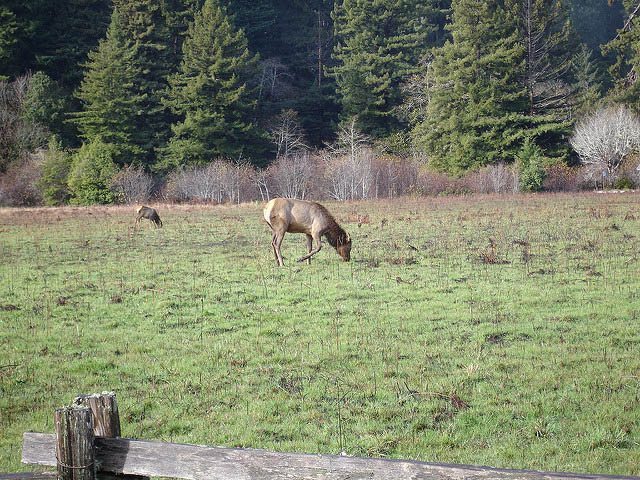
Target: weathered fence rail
<point>143,458</point>
<point>119,455</point>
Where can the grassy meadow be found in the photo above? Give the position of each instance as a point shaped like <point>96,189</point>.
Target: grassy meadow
<point>498,331</point>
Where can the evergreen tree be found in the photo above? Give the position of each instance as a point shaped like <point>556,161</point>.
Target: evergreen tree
<point>210,93</point>
<point>52,36</point>
<point>108,92</point>
<point>626,48</point>
<point>378,44</point>
<point>20,35</point>
<point>124,83</point>
<point>588,82</point>
<point>477,103</point>
<point>46,104</point>
<point>550,43</point>
<point>530,167</point>
<point>55,174</point>
<point>69,30</point>
<point>8,28</point>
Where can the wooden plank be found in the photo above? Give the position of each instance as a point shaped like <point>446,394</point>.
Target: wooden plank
<point>194,462</point>
<point>27,476</point>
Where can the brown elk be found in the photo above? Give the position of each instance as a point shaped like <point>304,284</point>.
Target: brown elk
<point>150,214</point>
<point>298,216</point>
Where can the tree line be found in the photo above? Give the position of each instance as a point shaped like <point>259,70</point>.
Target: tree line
<point>105,88</point>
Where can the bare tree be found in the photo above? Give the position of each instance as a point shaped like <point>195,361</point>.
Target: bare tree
<point>287,133</point>
<point>416,93</point>
<point>350,177</point>
<point>604,139</point>
<point>18,136</point>
<point>349,165</point>
<point>275,80</point>
<point>262,183</point>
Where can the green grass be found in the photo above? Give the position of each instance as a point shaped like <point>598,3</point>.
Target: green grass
<point>499,331</point>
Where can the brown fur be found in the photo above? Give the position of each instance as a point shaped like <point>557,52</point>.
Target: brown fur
<point>314,220</point>
<point>150,214</point>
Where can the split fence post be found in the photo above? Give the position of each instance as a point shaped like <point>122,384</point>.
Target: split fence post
<point>106,423</point>
<point>104,408</point>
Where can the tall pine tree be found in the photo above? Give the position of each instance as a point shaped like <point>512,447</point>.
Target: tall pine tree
<point>626,48</point>
<point>550,43</point>
<point>108,93</point>
<point>378,44</point>
<point>124,82</point>
<point>210,93</point>
<point>476,108</point>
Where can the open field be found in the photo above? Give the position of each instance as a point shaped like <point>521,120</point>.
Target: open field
<point>501,331</point>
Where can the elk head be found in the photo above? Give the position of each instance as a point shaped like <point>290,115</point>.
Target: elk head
<point>343,247</point>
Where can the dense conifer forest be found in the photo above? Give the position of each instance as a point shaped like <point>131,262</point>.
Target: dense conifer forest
<point>115,100</point>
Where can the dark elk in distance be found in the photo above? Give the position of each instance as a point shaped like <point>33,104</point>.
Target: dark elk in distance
<point>298,216</point>
<point>148,213</point>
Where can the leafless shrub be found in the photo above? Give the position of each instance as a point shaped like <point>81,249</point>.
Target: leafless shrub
<point>561,178</point>
<point>503,178</point>
<point>496,178</point>
<point>19,184</point>
<point>604,139</point>
<point>291,176</point>
<point>133,184</point>
<point>351,176</point>
<point>436,183</point>
<point>629,172</point>
<point>219,182</point>
<point>394,176</point>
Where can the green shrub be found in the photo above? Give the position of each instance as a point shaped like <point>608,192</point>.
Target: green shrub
<point>55,175</point>
<point>530,167</point>
<point>91,173</point>
<point>623,183</point>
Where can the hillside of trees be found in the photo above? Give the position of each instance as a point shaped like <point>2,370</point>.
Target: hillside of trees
<point>104,101</point>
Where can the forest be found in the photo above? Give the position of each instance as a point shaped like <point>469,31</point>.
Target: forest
<point>105,101</point>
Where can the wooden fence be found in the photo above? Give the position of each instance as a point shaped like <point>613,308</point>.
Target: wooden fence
<point>87,446</point>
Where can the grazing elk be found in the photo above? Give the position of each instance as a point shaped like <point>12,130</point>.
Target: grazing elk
<point>298,216</point>
<point>150,214</point>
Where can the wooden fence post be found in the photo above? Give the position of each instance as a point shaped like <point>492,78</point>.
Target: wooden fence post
<point>106,423</point>
<point>106,418</point>
<point>74,443</point>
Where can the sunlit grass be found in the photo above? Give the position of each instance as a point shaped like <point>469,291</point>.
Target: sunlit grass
<point>481,330</point>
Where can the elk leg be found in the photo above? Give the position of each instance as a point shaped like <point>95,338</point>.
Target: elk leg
<point>276,242</point>
<point>309,247</point>
<point>316,239</point>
